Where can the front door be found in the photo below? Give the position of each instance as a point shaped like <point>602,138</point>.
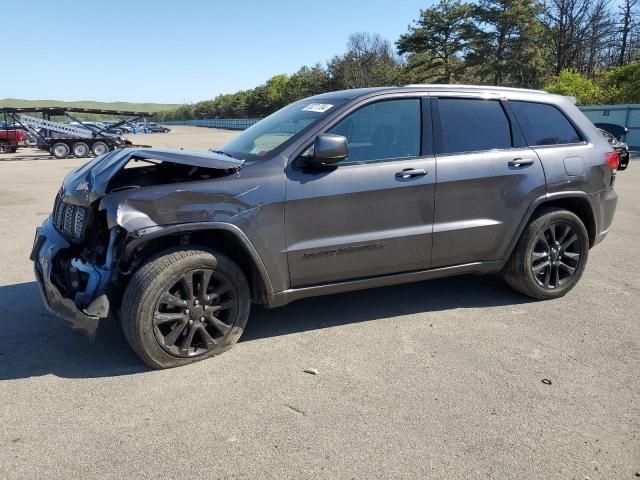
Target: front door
<point>373,213</point>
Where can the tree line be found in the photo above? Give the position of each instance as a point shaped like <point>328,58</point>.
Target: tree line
<point>589,49</point>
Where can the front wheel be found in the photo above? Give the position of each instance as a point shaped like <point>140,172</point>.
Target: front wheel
<point>184,306</point>
<point>5,147</point>
<point>550,256</point>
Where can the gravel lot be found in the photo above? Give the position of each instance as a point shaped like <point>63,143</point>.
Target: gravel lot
<point>441,379</point>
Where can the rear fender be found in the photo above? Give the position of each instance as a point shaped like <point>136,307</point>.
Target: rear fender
<point>540,201</point>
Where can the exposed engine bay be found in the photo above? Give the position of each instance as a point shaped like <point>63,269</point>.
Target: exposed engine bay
<point>146,173</point>
<point>97,212</point>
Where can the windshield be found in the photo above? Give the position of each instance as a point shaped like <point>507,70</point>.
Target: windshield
<point>273,131</point>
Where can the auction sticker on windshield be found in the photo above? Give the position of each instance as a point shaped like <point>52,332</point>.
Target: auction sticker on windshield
<point>317,107</point>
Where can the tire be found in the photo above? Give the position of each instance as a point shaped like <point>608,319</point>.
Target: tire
<point>526,269</point>
<point>60,150</point>
<point>5,147</point>
<point>158,317</point>
<point>99,148</point>
<point>80,149</point>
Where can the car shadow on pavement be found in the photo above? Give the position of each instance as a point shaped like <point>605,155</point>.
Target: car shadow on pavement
<point>33,343</point>
<point>467,291</point>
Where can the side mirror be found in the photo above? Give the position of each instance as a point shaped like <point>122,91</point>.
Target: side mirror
<point>327,150</point>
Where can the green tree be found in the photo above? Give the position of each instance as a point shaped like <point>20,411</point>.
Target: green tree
<point>624,83</point>
<point>436,41</point>
<point>574,84</point>
<point>507,44</point>
<point>368,62</point>
<point>306,82</point>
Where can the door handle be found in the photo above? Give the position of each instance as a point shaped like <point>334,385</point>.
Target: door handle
<point>411,173</point>
<point>520,162</point>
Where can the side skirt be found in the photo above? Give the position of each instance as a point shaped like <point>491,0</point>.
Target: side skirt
<point>279,299</point>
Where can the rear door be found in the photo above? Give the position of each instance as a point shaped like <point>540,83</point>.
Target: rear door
<point>487,178</point>
<point>373,213</point>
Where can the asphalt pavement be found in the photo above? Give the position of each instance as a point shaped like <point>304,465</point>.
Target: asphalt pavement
<point>452,378</point>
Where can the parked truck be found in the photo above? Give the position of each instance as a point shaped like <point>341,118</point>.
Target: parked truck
<point>11,139</point>
<point>73,137</point>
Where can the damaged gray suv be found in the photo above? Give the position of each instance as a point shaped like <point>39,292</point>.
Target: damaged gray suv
<point>342,191</point>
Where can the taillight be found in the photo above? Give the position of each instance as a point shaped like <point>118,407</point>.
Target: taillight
<point>612,159</point>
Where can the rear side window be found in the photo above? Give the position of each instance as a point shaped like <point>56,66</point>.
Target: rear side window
<point>473,125</point>
<point>544,124</point>
<point>383,130</point>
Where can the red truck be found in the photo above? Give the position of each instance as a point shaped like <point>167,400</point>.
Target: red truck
<point>11,139</point>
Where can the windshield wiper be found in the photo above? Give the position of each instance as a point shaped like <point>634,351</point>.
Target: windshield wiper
<point>220,152</point>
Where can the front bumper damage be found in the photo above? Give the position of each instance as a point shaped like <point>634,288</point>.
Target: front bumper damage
<point>47,245</point>
<point>102,206</point>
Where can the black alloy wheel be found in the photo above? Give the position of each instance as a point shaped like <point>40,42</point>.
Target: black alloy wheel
<point>196,313</point>
<point>550,256</point>
<point>556,255</point>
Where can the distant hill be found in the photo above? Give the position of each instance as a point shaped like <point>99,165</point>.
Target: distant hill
<point>136,107</point>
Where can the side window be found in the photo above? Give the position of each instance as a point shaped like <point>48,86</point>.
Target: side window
<point>383,130</point>
<point>544,124</point>
<point>470,125</point>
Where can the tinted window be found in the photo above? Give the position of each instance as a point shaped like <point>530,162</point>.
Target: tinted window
<point>382,130</point>
<point>544,124</point>
<point>470,125</point>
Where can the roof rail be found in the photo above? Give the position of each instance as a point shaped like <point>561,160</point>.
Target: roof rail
<point>442,86</point>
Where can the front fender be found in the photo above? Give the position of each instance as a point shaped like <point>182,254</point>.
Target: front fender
<point>145,235</point>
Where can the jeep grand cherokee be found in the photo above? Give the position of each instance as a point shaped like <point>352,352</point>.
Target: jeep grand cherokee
<point>341,191</point>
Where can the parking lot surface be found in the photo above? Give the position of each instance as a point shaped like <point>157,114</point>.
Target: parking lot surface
<point>452,378</point>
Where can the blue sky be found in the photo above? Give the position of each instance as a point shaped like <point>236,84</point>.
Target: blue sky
<point>176,51</point>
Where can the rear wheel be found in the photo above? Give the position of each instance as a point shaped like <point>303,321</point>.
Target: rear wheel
<point>184,306</point>
<point>99,148</point>
<point>60,150</point>
<point>4,147</point>
<point>550,257</point>
<point>80,149</point>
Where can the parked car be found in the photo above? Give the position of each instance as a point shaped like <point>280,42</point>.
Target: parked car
<point>179,245</point>
<point>156,127</point>
<point>614,129</point>
<point>620,147</point>
<point>125,128</point>
<point>11,139</point>
<point>119,130</point>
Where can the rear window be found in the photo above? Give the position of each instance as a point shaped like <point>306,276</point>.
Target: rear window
<point>473,125</point>
<point>544,124</point>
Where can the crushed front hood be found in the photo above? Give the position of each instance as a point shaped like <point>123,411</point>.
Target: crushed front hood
<point>89,182</point>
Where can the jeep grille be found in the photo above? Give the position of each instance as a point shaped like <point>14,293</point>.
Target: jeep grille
<point>69,219</point>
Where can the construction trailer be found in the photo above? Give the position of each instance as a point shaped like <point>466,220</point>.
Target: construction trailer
<point>79,139</point>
